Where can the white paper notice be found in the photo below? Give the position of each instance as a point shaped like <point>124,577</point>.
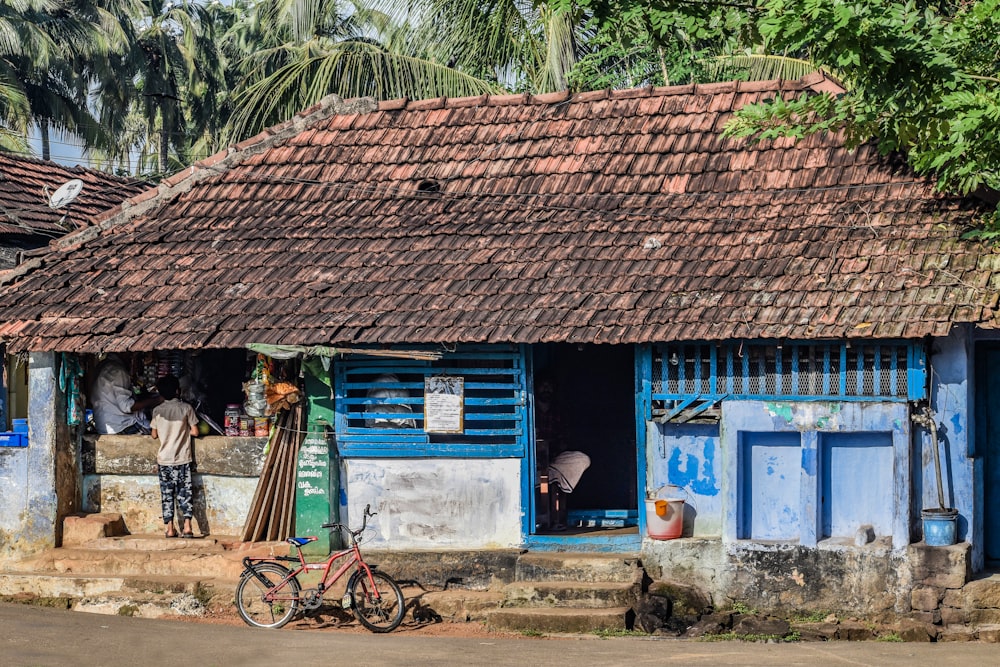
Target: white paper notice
<point>444,402</point>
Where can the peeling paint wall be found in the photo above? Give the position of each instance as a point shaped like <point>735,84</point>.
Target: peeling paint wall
<point>435,503</point>
<point>824,482</point>
<point>762,472</point>
<point>30,505</point>
<point>781,491</point>
<point>119,477</point>
<point>689,456</point>
<point>949,386</point>
<point>870,580</point>
<point>220,503</point>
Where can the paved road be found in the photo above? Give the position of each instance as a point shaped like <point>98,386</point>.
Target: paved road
<point>36,637</point>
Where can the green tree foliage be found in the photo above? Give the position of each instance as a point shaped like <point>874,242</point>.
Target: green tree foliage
<point>295,52</point>
<point>921,78</point>
<point>41,44</point>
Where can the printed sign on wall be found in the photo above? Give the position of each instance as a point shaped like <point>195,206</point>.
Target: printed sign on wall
<point>444,403</point>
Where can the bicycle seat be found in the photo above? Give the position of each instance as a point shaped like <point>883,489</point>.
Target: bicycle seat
<point>301,541</point>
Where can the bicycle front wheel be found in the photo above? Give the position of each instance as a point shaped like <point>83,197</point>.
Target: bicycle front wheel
<point>263,601</point>
<point>379,608</point>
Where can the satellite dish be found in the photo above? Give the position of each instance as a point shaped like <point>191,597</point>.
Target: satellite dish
<point>66,193</point>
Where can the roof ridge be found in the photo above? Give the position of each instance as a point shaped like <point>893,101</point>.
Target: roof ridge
<point>77,169</point>
<point>817,81</point>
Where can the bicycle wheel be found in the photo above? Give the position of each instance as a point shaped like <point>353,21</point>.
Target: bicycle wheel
<point>380,609</point>
<point>276,612</point>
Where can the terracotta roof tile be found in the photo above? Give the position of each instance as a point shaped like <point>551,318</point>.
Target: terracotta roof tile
<point>26,186</point>
<point>614,217</point>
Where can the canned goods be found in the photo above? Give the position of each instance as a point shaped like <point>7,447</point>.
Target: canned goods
<point>232,419</point>
<point>246,426</point>
<point>261,426</point>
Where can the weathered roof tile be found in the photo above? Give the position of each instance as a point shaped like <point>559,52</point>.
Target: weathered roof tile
<point>616,217</point>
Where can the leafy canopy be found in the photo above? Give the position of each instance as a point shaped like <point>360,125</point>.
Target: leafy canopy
<point>921,75</point>
<point>921,79</point>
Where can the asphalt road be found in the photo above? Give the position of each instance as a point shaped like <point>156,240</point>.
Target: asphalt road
<point>36,637</point>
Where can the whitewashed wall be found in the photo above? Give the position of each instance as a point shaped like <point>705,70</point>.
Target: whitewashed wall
<point>220,503</point>
<point>435,503</point>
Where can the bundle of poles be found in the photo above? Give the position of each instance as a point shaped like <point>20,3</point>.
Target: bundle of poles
<point>272,512</point>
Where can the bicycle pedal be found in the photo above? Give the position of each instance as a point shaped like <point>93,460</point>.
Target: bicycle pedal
<point>346,602</point>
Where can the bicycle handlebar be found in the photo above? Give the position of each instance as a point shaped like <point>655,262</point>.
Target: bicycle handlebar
<point>354,533</point>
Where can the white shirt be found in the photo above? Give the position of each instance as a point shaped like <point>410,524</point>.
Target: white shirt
<point>112,397</point>
<point>172,422</point>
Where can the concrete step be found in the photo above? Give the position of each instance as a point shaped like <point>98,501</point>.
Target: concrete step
<point>18,584</point>
<point>145,555</point>
<point>572,594</point>
<point>155,543</point>
<point>147,597</point>
<point>559,620</point>
<point>590,567</point>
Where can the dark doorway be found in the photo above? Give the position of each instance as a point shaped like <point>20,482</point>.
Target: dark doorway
<point>587,396</point>
<point>987,406</point>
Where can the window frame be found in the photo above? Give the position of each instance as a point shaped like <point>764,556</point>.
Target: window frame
<point>497,369</point>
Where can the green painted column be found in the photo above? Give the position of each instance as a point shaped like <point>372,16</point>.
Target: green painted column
<point>317,484</point>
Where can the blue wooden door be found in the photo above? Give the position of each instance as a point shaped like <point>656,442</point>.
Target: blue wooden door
<point>988,442</point>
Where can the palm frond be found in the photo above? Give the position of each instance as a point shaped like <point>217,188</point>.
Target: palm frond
<point>347,69</point>
<point>756,67</point>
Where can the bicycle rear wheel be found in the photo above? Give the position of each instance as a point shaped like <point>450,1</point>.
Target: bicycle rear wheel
<point>379,608</point>
<point>259,612</point>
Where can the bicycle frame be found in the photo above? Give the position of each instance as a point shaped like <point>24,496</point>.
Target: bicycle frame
<point>278,592</point>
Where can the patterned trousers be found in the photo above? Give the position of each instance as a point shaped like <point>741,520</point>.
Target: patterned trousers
<point>175,485</point>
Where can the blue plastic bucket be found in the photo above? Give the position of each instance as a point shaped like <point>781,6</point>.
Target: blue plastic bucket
<point>940,526</point>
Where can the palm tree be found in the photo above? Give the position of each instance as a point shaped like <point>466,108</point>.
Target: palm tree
<point>295,52</point>
<point>40,44</point>
<point>519,44</point>
<point>177,68</point>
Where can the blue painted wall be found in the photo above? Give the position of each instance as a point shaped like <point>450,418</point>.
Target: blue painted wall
<point>28,483</point>
<point>805,472</point>
<point>856,483</point>
<point>950,400</point>
<point>769,476</point>
<point>688,456</point>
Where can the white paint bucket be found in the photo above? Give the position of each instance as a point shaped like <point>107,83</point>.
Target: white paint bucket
<point>665,518</point>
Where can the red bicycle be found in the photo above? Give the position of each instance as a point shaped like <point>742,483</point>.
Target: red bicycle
<point>269,594</point>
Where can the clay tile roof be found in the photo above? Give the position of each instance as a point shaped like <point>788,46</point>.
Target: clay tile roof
<point>26,185</point>
<point>614,216</point>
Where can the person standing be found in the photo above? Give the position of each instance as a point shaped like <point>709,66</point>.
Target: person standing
<point>175,424</point>
<point>116,409</point>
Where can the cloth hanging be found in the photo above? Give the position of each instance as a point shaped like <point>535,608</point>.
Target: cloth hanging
<point>70,377</point>
<point>566,469</point>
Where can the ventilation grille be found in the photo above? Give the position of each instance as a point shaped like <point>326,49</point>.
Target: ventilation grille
<point>785,371</point>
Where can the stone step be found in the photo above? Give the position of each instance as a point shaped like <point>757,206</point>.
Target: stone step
<point>161,606</point>
<point>154,543</point>
<point>164,563</point>
<point>573,594</point>
<point>560,566</point>
<point>457,606</point>
<point>144,596</point>
<point>559,620</point>
<point>148,556</point>
<point>18,584</point>
<point>21,584</point>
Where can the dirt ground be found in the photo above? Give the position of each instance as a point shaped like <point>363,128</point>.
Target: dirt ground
<point>334,619</point>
